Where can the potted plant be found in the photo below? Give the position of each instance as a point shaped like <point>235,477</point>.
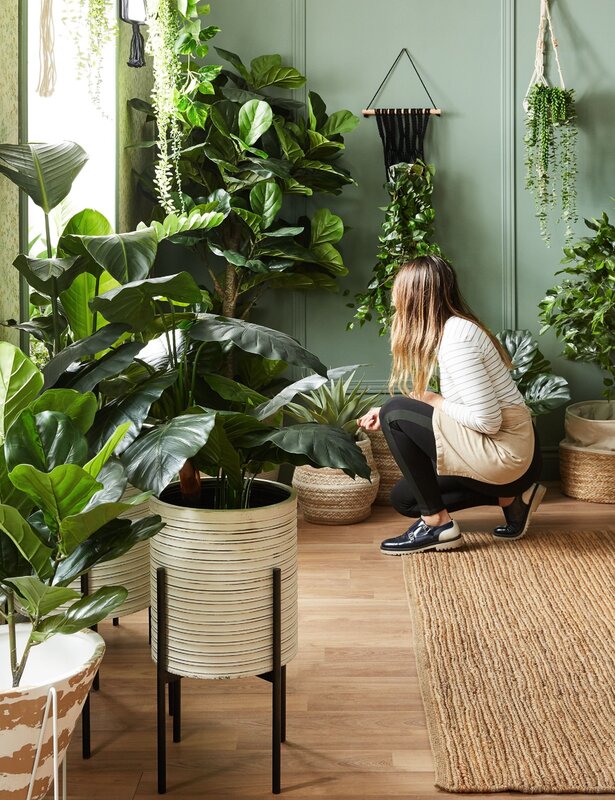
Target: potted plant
<point>581,312</point>
<point>59,508</point>
<point>330,496</point>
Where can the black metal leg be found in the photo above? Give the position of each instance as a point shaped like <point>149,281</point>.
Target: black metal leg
<point>171,698</point>
<point>161,679</point>
<point>116,621</point>
<point>177,709</point>
<point>149,625</point>
<point>276,683</point>
<point>86,751</point>
<point>283,732</point>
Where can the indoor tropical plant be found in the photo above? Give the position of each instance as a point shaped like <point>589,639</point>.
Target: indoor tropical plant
<point>329,496</point>
<point>407,232</point>
<point>243,135</point>
<point>581,312</point>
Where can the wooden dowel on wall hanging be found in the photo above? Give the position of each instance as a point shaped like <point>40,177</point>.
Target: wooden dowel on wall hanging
<point>371,112</point>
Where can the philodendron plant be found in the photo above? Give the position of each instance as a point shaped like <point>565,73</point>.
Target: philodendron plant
<point>60,499</point>
<point>541,389</point>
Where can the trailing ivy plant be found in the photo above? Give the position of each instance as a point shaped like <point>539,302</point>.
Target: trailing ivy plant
<point>407,233</point>
<point>243,137</point>
<point>581,309</point>
<point>551,154</point>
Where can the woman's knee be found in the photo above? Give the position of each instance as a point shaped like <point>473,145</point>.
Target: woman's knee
<point>398,403</point>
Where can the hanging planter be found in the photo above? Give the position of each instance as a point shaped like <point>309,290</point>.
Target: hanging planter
<point>134,13</point>
<point>550,138</point>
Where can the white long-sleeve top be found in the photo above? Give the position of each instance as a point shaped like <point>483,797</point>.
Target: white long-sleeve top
<point>474,381</point>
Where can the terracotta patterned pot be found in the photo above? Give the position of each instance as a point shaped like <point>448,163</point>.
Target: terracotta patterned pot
<point>219,582</point>
<point>330,497</point>
<point>68,663</point>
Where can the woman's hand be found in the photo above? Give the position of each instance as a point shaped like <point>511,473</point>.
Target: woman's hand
<point>431,398</point>
<point>370,421</point>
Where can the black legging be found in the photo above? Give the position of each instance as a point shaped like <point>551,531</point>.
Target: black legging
<point>408,428</point>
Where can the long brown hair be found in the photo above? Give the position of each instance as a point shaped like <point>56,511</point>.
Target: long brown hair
<point>425,294</point>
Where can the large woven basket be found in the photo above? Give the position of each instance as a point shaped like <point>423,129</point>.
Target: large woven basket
<point>386,465</point>
<point>587,454</point>
<point>219,584</point>
<point>330,497</point>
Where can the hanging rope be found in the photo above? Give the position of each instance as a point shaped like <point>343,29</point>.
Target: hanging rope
<point>402,132</point>
<point>47,64</point>
<point>538,76</point>
<point>137,47</point>
<point>388,75</point>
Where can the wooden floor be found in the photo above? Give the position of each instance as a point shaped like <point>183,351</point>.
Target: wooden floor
<point>356,728</point>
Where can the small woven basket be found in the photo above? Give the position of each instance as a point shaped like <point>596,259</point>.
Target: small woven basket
<point>587,474</point>
<point>390,473</point>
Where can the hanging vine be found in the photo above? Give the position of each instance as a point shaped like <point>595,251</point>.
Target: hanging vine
<point>550,139</point>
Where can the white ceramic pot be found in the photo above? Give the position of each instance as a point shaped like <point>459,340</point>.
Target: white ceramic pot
<point>68,663</point>
<point>219,582</point>
<point>386,465</point>
<point>329,497</point>
<point>130,570</point>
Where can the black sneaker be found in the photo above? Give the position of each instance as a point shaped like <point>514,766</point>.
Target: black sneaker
<point>519,513</point>
<point>421,536</point>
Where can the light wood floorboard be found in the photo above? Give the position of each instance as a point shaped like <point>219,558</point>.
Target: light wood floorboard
<point>356,727</point>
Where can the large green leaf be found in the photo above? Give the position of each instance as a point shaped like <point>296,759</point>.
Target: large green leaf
<point>9,495</point>
<point>76,302</point>
<point>132,409</point>
<point>233,391</point>
<point>12,562</point>
<point>233,59</point>
<point>76,528</point>
<point>20,382</point>
<point>319,446</point>
<point>339,122</point>
<point>94,465</point>
<point>522,349</point>
<point>127,257</point>
<point>91,345</point>
<point>281,77</point>
<point>83,614</point>
<point>284,397</point>
<point>80,407</point>
<point>49,275</point>
<point>13,525</point>
<point>45,172</point>
<point>219,454</point>
<point>114,483</point>
<point>154,459</point>
<point>60,493</point>
<point>272,345</point>
<point>546,392</point>
<point>40,599</point>
<point>89,375</point>
<point>201,218</point>
<point>112,540</point>
<point>133,303</point>
<point>266,201</point>
<point>87,222</point>
<point>326,228</point>
<point>255,118</point>
<point>44,441</point>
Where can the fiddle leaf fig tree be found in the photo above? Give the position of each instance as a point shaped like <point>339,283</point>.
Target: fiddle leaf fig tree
<point>581,309</point>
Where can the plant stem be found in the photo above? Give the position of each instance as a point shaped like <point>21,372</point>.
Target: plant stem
<point>194,374</point>
<point>10,619</point>
<point>95,315</point>
<point>24,659</point>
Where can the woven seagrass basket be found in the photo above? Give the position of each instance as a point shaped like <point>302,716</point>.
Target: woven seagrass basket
<point>587,474</point>
<point>386,465</point>
<point>329,497</point>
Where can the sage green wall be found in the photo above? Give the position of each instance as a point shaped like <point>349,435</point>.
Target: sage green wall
<point>476,58</point>
<point>9,194</point>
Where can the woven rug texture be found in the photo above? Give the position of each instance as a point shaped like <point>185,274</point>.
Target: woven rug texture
<point>515,647</point>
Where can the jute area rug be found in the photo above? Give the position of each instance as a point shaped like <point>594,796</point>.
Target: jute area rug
<point>515,646</point>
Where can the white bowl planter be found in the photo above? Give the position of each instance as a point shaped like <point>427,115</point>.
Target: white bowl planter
<point>587,454</point>
<point>219,583</point>
<point>386,465</point>
<point>329,497</point>
<point>68,663</point>
<point>130,570</point>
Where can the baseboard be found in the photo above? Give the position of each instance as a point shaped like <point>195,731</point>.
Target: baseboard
<point>550,462</point>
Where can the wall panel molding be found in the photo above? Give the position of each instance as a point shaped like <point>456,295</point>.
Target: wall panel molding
<point>508,165</point>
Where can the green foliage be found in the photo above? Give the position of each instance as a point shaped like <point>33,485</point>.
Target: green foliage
<point>335,403</point>
<point>407,232</point>
<point>581,309</point>
<point>541,390</point>
<point>550,155</point>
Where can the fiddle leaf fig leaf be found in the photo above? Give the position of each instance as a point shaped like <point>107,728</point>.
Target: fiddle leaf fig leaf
<point>38,598</point>
<point>15,527</point>
<point>83,614</point>
<point>266,201</point>
<point>20,382</point>
<point>81,407</point>
<point>255,118</point>
<point>44,441</point>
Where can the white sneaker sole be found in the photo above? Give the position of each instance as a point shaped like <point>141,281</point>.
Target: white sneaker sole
<point>536,501</point>
<point>450,545</point>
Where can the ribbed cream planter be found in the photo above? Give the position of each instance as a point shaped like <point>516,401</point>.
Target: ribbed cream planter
<point>68,663</point>
<point>329,497</point>
<point>390,473</point>
<point>130,570</point>
<point>219,583</point>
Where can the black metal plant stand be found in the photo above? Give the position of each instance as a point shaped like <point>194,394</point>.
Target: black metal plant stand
<point>277,678</point>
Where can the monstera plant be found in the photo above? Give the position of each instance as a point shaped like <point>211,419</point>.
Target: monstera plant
<point>542,391</point>
<point>243,135</point>
<point>59,506</point>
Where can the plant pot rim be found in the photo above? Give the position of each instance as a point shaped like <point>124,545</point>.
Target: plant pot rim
<point>98,648</point>
<point>289,499</point>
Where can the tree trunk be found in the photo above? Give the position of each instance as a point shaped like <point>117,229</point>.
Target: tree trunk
<point>190,483</point>
<point>229,309</point>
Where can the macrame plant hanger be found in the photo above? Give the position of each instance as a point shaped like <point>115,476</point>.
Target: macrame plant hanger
<point>402,130</point>
<point>538,76</point>
<point>47,62</point>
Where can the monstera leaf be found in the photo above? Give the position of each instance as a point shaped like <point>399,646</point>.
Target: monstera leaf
<point>545,393</point>
<point>45,172</point>
<point>266,342</point>
<point>522,349</point>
